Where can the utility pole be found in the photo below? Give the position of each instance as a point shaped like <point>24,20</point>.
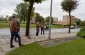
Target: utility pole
<point>50,19</point>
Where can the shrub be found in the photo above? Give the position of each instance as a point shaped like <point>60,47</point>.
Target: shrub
<point>81,33</point>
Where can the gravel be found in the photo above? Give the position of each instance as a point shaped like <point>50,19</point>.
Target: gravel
<point>57,41</point>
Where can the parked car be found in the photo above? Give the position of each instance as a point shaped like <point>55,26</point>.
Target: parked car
<point>72,27</point>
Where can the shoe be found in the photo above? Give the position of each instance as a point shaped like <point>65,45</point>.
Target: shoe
<point>21,45</point>
<point>15,40</point>
<point>12,46</point>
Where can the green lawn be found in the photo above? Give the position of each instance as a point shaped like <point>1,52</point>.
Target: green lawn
<point>31,25</point>
<point>56,26</point>
<point>6,25</point>
<point>76,47</point>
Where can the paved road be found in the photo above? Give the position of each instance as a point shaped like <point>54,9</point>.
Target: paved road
<point>6,32</point>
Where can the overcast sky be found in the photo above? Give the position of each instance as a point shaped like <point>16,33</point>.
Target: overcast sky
<point>7,8</point>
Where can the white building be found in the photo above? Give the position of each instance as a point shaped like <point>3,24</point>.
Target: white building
<point>55,20</point>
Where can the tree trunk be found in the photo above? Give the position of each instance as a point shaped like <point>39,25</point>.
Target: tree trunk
<point>28,18</point>
<point>24,19</point>
<point>69,22</point>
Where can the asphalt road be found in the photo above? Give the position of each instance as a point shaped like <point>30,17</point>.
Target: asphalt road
<point>6,32</point>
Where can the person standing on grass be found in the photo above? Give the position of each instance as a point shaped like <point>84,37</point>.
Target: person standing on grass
<point>42,27</point>
<point>37,28</point>
<point>13,30</point>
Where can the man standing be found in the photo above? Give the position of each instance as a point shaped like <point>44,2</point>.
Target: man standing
<point>13,29</point>
<point>37,28</point>
<point>42,27</point>
<point>18,29</point>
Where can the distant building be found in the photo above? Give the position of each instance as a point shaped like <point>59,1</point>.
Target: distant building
<point>60,22</point>
<point>7,18</point>
<point>55,20</point>
<point>33,18</point>
<point>66,19</point>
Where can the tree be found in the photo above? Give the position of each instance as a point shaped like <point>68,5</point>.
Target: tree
<point>2,19</point>
<point>31,2</point>
<point>69,6</point>
<point>82,23</point>
<point>47,20</point>
<point>38,18</point>
<point>10,18</point>
<point>78,22</point>
<point>21,10</point>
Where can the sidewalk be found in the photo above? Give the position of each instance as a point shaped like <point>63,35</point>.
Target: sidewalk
<point>5,45</point>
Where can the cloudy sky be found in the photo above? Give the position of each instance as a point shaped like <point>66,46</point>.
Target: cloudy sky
<point>7,8</point>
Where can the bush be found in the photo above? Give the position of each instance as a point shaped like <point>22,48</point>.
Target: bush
<point>81,33</point>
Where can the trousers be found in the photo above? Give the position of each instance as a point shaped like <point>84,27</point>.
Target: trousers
<point>12,38</point>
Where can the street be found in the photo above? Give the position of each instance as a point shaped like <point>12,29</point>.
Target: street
<point>6,32</point>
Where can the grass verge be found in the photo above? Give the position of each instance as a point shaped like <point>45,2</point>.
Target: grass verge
<point>76,47</point>
<point>6,25</point>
